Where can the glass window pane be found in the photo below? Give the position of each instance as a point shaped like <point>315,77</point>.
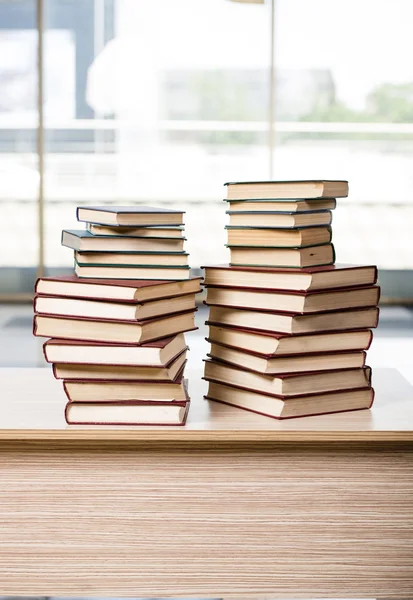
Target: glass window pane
<point>18,159</point>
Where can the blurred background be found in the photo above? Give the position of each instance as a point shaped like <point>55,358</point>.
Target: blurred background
<point>160,102</point>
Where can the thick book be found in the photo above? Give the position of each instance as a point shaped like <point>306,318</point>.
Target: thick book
<point>299,406</point>
<point>306,189</point>
<point>171,373</point>
<point>152,231</point>
<point>271,237</point>
<point>288,384</point>
<point>132,259</point>
<point>102,391</point>
<point>126,413</point>
<point>84,241</point>
<point>275,278</point>
<point>125,291</point>
<point>280,365</point>
<point>93,330</point>
<point>162,273</point>
<point>278,219</point>
<point>112,311</point>
<point>129,215</point>
<point>158,354</point>
<point>293,301</point>
<point>292,205</point>
<point>267,345</point>
<point>341,320</point>
<point>292,258</point>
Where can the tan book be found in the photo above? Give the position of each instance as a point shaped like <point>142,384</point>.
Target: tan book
<point>126,413</point>
<point>126,291</point>
<point>306,189</point>
<point>300,406</point>
<point>293,302</point>
<point>114,391</point>
<point>84,241</point>
<point>288,384</point>
<point>277,238</point>
<point>267,344</point>
<point>288,364</point>
<point>273,278</point>
<point>164,273</point>
<point>152,354</point>
<point>291,205</point>
<point>115,311</point>
<point>364,318</point>
<point>136,332</point>
<point>129,215</point>
<point>123,373</point>
<point>282,220</point>
<point>297,258</point>
<point>153,231</point>
<point>131,259</point>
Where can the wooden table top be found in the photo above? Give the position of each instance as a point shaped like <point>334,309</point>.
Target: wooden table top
<point>32,403</point>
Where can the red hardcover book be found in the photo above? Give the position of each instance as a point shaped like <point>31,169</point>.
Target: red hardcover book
<point>268,344</point>
<point>321,404</point>
<point>304,279</point>
<point>159,353</point>
<point>124,290</point>
<point>104,330</point>
<point>292,301</point>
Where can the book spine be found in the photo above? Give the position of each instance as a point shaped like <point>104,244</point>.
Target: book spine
<point>44,348</point>
<point>54,370</point>
<point>36,285</point>
<point>370,340</point>
<point>334,253</point>
<point>69,404</point>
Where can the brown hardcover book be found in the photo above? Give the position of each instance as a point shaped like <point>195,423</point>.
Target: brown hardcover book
<point>268,218</point>
<point>132,216</point>
<point>172,372</point>
<point>114,391</point>
<point>113,311</point>
<point>271,237</point>
<point>93,330</point>
<point>307,279</point>
<point>280,365</point>
<point>306,189</point>
<point>293,258</point>
<point>364,318</point>
<point>115,289</point>
<point>300,406</point>
<point>152,354</point>
<point>127,413</point>
<point>295,205</point>
<point>293,301</point>
<point>288,384</point>
<point>269,344</point>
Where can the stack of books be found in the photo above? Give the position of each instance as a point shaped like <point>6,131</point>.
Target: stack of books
<point>127,242</point>
<point>288,328</point>
<point>118,342</point>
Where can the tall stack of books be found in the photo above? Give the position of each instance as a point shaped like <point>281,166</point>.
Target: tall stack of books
<point>288,328</point>
<point>116,326</point>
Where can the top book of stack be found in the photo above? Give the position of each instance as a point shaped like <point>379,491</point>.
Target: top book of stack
<point>128,216</point>
<point>285,190</point>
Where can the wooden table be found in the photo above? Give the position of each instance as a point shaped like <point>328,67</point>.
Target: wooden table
<point>234,505</point>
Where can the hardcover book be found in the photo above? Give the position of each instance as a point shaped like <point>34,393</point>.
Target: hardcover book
<point>268,218</point>
<point>293,258</point>
<point>285,205</point>
<point>162,273</point>
<point>113,289</point>
<point>151,231</point>
<point>306,189</point>
<point>300,406</point>
<point>84,241</point>
<point>271,237</point>
<point>129,215</point>
<point>306,279</point>
<point>126,413</point>
<point>156,354</point>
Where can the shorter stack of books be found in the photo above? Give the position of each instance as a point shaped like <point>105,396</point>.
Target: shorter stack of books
<point>118,344</point>
<point>129,242</point>
<point>282,223</point>
<point>288,342</point>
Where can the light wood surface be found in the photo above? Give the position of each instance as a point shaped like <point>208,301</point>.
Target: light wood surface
<point>290,523</point>
<point>32,402</point>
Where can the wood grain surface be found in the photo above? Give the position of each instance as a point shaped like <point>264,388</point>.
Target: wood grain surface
<point>32,404</point>
<point>308,522</point>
